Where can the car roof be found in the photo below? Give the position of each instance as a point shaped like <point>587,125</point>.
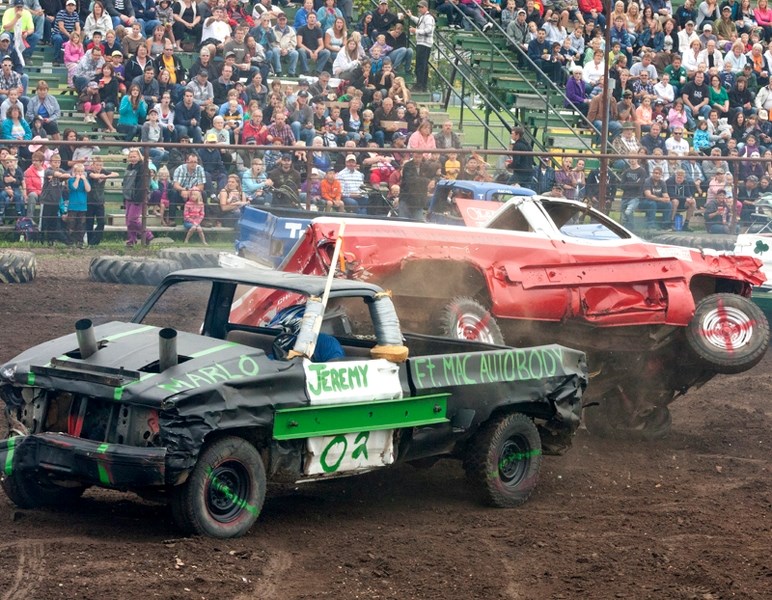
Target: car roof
<point>486,186</point>
<point>309,285</point>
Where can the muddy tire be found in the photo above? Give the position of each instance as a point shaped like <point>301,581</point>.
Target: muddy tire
<point>192,258</point>
<point>729,333</point>
<point>224,494</point>
<point>610,420</point>
<point>504,459</point>
<point>17,267</point>
<point>467,319</point>
<point>27,491</point>
<point>130,270</point>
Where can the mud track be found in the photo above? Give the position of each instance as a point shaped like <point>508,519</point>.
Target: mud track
<point>686,518</point>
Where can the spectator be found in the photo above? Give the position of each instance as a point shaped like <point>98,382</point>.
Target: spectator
<point>134,190</point>
<point>424,32</point>
<point>401,54</point>
<point>351,181</point>
<point>87,69</point>
<point>383,19</point>
<point>201,89</point>
<point>286,47</point>
<point>576,95</point>
<point>78,187</point>
<point>631,181</point>
<point>543,176</point>
<point>136,66</point>
<point>596,115</point>
<point>73,51</point>
<point>696,96</point>
<point>94,223</point>
<point>331,192</point>
<point>193,215</point>
<point>14,187</point>
<point>417,176</point>
<point>132,111</point>
<point>717,213</point>
<point>65,22</point>
<point>97,20</point>
<point>33,180</point>
<point>215,31</point>
<point>14,127</point>
<point>521,165</point>
<point>335,38</point>
<point>45,106</point>
<point>310,43</point>
<point>285,181</point>
<point>566,178</point>
<point>253,182</point>
<point>133,39</point>
<point>680,189</point>
<point>187,21</point>
<point>188,177</point>
<point>145,13</point>
<point>301,16</point>
<point>422,138</point>
<point>90,102</point>
<point>656,198</point>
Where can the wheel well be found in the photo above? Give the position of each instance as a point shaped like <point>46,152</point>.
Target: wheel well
<point>702,286</point>
<point>439,279</point>
<point>259,438</point>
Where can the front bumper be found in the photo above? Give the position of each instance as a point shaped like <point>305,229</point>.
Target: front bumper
<point>65,457</point>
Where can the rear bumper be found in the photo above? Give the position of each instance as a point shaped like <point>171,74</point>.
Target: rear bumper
<point>66,457</point>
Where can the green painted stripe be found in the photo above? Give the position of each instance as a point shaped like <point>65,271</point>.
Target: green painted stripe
<point>314,421</point>
<point>118,393</point>
<point>117,336</point>
<point>104,476</point>
<point>215,349</point>
<point>30,378</point>
<point>9,457</point>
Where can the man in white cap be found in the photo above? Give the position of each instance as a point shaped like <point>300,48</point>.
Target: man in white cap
<point>351,181</point>
<point>517,30</point>
<point>707,35</point>
<point>65,22</point>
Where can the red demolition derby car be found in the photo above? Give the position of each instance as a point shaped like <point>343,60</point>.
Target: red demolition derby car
<point>655,320</point>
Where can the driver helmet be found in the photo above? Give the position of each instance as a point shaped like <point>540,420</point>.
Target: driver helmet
<point>288,320</point>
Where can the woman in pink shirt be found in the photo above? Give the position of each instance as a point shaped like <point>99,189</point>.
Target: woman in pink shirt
<point>763,17</point>
<point>422,138</point>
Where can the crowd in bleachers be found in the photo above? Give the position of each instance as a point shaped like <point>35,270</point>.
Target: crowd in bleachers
<point>701,71</point>
<point>691,83</point>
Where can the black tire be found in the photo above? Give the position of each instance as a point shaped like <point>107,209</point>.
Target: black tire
<point>504,459</point>
<point>722,243</point>
<point>26,490</point>
<point>466,319</point>
<point>729,333</point>
<point>611,419</point>
<point>17,267</point>
<point>224,494</point>
<point>192,258</point>
<point>130,270</point>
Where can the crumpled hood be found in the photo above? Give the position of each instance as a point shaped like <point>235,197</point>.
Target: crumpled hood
<point>123,367</point>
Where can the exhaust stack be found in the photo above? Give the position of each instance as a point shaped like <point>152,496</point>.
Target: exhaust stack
<point>167,349</point>
<point>84,331</point>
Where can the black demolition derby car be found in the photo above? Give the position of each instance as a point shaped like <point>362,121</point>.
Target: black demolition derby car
<point>224,382</point>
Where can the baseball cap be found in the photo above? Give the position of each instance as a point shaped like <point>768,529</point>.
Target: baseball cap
<point>729,8</point>
<point>521,11</point>
<point>303,81</point>
<point>286,155</point>
<point>211,137</point>
<point>350,157</point>
<point>117,53</point>
<point>18,2</point>
<point>423,3</point>
<point>707,27</point>
<point>230,53</point>
<point>753,178</point>
<point>763,114</point>
<point>755,155</point>
<point>383,2</point>
<point>303,94</point>
<point>94,84</point>
<point>155,110</point>
<point>71,2</point>
<point>4,37</point>
<point>627,93</point>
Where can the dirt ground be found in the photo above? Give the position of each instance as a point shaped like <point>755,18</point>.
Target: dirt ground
<point>686,518</point>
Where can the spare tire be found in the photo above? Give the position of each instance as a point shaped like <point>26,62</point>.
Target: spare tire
<point>466,319</point>
<point>130,270</point>
<point>728,332</point>
<point>192,258</point>
<point>17,267</point>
